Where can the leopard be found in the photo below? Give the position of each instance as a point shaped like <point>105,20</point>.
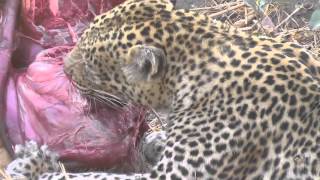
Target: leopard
<point>241,106</point>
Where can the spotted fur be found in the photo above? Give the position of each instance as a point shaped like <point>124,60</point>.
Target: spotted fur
<point>241,106</point>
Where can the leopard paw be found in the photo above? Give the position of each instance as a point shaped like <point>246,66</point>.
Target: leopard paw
<point>31,161</point>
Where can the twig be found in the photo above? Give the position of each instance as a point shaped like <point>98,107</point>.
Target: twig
<point>292,19</point>
<point>290,31</point>
<point>215,2</point>
<point>287,18</point>
<point>249,27</point>
<point>215,7</point>
<point>227,10</point>
<point>157,116</point>
<point>64,172</point>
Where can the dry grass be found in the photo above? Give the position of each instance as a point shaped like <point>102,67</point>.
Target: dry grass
<point>276,20</point>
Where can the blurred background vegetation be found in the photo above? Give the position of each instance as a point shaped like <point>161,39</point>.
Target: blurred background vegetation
<point>292,20</point>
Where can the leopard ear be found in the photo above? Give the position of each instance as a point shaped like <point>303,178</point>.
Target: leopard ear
<point>144,64</point>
